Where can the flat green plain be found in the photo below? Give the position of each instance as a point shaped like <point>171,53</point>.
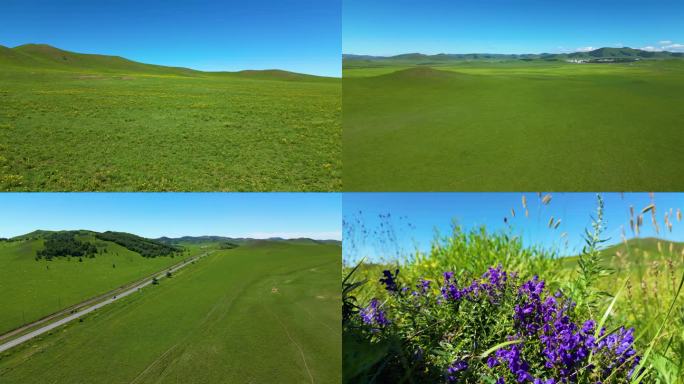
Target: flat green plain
<point>34,289</point>
<point>513,125</point>
<point>261,313</point>
<point>76,122</point>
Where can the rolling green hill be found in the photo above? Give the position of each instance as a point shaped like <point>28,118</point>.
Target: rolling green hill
<point>649,246</point>
<point>238,240</point>
<point>144,247</point>
<point>84,122</point>
<point>244,315</point>
<point>34,288</point>
<point>626,52</point>
<point>49,57</point>
<point>636,253</point>
<point>46,57</point>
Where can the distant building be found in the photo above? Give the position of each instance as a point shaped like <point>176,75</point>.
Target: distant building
<point>604,60</point>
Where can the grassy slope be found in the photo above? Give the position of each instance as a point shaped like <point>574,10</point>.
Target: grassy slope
<point>48,57</point>
<point>636,253</point>
<point>91,122</point>
<point>33,289</point>
<point>216,321</point>
<point>514,126</point>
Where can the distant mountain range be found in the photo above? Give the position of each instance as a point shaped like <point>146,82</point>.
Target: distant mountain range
<point>84,243</point>
<point>601,53</point>
<point>39,234</point>
<point>238,240</point>
<point>43,56</point>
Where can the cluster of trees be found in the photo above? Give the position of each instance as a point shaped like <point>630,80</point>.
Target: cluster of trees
<point>61,244</point>
<point>9,240</point>
<point>145,247</point>
<point>227,245</point>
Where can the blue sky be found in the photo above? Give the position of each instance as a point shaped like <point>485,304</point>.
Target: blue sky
<point>414,217</point>
<point>257,215</point>
<point>389,27</point>
<point>296,35</point>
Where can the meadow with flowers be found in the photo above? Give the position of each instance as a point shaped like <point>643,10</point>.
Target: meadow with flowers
<point>482,307</point>
<point>80,122</point>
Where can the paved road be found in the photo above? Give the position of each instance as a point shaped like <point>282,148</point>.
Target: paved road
<point>60,322</point>
<point>74,308</point>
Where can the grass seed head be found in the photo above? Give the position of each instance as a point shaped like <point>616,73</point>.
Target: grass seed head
<point>650,207</point>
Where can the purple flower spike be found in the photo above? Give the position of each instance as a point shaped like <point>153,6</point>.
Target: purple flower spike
<point>423,286</point>
<point>454,369</point>
<point>374,316</point>
<point>390,280</point>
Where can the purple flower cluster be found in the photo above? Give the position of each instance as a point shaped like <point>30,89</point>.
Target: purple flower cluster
<point>617,349</point>
<point>566,346</point>
<point>454,369</point>
<point>517,365</point>
<point>374,316</point>
<point>491,286</point>
<point>390,280</point>
<point>423,286</point>
<point>551,346</point>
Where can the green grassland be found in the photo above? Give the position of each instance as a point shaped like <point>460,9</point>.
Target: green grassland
<point>264,312</point>
<point>635,253</point>
<point>76,122</point>
<point>475,125</point>
<point>33,289</point>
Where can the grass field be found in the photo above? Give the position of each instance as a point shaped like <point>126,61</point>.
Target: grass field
<point>513,125</point>
<point>261,312</point>
<point>74,122</point>
<point>33,289</point>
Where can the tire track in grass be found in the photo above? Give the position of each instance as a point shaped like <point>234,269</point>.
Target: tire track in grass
<point>298,304</point>
<point>316,319</point>
<point>185,340</point>
<point>301,351</point>
<point>308,312</point>
<point>152,365</point>
<point>204,324</point>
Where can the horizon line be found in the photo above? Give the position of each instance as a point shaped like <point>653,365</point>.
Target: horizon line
<point>174,66</point>
<point>275,235</point>
<point>508,54</point>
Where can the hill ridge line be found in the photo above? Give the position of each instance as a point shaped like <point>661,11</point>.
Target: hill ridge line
<point>31,50</point>
<point>592,53</point>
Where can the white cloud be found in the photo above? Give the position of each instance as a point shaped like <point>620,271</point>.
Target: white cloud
<point>651,48</point>
<point>585,49</point>
<point>665,42</point>
<point>674,47</point>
